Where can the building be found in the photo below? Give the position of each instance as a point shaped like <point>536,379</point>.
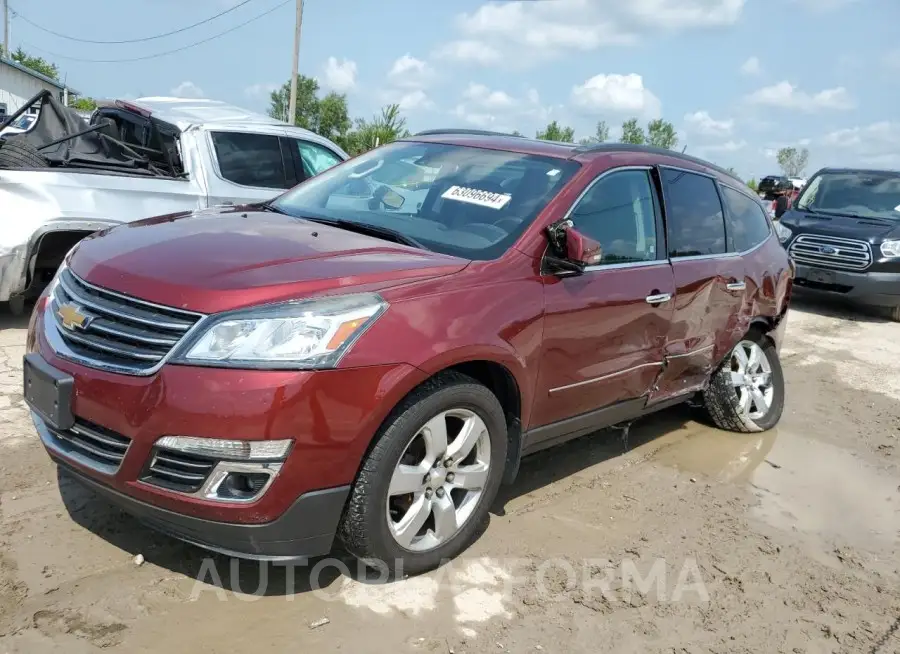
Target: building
<point>18,84</point>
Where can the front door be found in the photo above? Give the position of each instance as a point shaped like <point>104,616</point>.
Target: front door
<point>709,281</point>
<point>605,330</point>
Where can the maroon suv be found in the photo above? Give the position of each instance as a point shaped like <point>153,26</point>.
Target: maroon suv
<point>370,355</point>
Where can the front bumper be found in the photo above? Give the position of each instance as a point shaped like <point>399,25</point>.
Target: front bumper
<point>330,417</point>
<point>305,530</point>
<point>880,289</point>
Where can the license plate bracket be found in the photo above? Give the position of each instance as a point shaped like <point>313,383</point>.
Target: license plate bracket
<point>48,391</point>
<point>820,276</point>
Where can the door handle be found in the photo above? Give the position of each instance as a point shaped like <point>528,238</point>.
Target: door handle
<point>658,298</point>
<point>735,286</point>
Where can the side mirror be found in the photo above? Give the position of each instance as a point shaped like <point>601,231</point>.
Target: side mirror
<point>571,251</point>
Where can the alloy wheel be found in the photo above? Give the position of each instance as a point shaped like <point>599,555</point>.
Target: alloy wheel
<point>751,377</point>
<point>439,480</point>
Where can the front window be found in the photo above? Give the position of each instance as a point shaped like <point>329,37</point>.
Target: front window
<point>855,193</point>
<point>464,201</point>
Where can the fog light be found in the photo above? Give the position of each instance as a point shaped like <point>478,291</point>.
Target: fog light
<point>239,482</point>
<point>243,485</point>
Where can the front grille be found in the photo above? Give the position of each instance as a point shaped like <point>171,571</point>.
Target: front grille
<point>108,329</point>
<point>177,471</point>
<point>831,252</point>
<point>98,445</point>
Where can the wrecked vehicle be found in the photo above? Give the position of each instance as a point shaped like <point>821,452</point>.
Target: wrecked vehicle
<point>327,366</point>
<point>65,178</point>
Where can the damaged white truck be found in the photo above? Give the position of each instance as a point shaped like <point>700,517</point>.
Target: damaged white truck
<point>66,178</point>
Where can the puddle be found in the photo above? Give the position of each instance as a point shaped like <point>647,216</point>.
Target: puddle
<point>802,484</point>
<point>478,588</point>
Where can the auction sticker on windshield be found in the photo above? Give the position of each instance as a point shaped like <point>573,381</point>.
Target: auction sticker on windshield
<point>476,196</point>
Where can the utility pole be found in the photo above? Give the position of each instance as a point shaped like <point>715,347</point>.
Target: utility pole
<point>292,110</point>
<point>5,29</point>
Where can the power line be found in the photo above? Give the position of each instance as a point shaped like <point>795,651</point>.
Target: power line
<point>167,52</point>
<point>141,40</point>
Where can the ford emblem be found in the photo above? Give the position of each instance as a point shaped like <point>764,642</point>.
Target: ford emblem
<point>827,249</point>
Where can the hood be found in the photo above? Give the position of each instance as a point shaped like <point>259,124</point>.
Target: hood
<point>872,230</point>
<point>221,259</point>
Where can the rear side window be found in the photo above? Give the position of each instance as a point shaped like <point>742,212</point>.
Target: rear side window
<point>618,212</point>
<point>250,159</point>
<point>315,158</point>
<point>746,221</point>
<point>695,223</point>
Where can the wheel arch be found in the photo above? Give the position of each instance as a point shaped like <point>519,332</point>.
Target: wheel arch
<point>496,372</point>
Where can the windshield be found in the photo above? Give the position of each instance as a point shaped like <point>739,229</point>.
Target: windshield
<point>866,194</point>
<point>464,201</point>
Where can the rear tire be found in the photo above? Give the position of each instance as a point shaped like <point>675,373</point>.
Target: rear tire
<point>409,515</point>
<point>746,393</point>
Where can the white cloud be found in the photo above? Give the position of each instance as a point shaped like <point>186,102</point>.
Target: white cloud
<point>700,122</point>
<point>482,96</point>
<point>751,66</point>
<point>261,90</point>
<point>727,146</point>
<point>787,96</point>
<point>410,73</point>
<point>340,76</point>
<point>187,90</point>
<point>624,94</point>
<point>469,52</point>
<point>414,100</point>
<point>522,33</point>
<point>487,108</point>
<point>877,144</point>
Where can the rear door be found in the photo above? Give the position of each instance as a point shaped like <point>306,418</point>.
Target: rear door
<point>709,281</point>
<point>605,330</point>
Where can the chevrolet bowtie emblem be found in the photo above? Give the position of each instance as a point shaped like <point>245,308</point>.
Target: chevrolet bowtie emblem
<point>72,318</point>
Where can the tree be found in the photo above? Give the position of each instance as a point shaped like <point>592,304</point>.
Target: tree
<point>753,185</point>
<point>601,135</point>
<point>37,64</point>
<point>661,134</point>
<point>307,112</point>
<point>633,133</point>
<point>793,161</point>
<point>555,132</point>
<point>83,104</point>
<point>333,120</point>
<point>516,132</point>
<point>384,128</point>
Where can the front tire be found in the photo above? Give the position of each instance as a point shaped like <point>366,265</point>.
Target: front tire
<point>428,482</point>
<point>746,393</point>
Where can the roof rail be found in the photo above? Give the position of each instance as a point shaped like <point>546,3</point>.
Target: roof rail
<point>468,132</point>
<point>629,147</point>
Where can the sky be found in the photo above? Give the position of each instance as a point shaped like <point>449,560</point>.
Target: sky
<point>738,78</point>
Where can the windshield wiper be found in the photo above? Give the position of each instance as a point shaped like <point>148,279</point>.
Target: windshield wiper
<point>268,206</point>
<point>372,230</point>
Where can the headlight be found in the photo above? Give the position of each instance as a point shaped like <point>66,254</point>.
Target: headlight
<point>782,232</point>
<point>294,335</point>
<point>891,248</point>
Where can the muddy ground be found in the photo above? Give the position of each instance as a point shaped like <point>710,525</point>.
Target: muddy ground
<point>682,539</point>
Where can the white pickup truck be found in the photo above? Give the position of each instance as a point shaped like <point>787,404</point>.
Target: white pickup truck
<point>64,179</point>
